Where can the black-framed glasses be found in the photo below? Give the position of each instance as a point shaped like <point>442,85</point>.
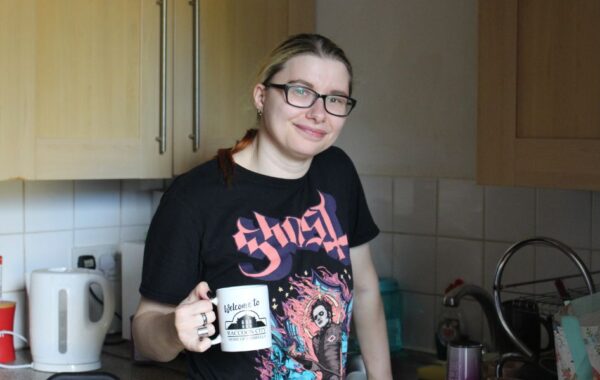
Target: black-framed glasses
<point>304,97</point>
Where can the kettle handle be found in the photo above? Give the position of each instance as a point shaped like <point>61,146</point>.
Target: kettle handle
<point>108,299</point>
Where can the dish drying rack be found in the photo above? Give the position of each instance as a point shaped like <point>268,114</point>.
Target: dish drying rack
<point>548,303</point>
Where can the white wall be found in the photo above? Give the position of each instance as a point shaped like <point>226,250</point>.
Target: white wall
<point>415,67</point>
<point>413,139</point>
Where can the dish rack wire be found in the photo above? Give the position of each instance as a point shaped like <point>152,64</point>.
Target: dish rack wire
<point>548,302</point>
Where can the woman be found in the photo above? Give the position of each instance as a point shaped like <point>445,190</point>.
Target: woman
<point>285,208</point>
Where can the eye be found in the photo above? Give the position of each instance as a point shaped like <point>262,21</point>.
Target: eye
<point>300,91</point>
<point>337,100</point>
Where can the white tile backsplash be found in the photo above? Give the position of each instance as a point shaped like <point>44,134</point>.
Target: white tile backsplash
<point>97,203</point>
<point>418,312</point>
<point>136,204</point>
<point>458,258</point>
<point>509,213</point>
<point>133,233</point>
<point>414,263</point>
<point>48,250</point>
<point>48,206</point>
<point>96,236</point>
<point>382,254</point>
<point>460,209</point>
<point>378,191</point>
<point>41,222</point>
<point>415,207</point>
<point>11,207</point>
<point>11,250</point>
<point>565,215</point>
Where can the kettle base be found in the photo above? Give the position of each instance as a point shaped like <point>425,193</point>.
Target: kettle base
<point>55,367</point>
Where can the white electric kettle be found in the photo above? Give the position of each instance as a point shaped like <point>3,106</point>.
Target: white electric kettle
<point>63,338</point>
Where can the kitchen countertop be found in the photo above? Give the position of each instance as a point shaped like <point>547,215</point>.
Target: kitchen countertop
<point>116,359</point>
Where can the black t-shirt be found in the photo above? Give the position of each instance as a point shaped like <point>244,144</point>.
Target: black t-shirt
<point>293,235</point>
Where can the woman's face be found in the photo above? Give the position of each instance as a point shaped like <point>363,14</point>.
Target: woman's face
<point>301,133</point>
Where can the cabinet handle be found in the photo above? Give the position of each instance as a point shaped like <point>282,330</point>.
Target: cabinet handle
<point>162,137</point>
<point>195,135</point>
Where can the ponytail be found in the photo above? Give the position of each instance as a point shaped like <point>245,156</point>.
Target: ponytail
<point>225,156</point>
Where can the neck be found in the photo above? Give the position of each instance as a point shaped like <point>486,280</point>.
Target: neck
<point>266,159</point>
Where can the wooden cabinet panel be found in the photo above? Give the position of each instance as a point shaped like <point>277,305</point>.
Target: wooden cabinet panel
<point>538,119</point>
<point>558,56</point>
<point>80,94</point>
<point>96,88</point>
<point>17,93</point>
<point>234,38</point>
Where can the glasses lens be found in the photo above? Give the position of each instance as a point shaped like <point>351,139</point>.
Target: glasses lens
<point>338,105</point>
<point>300,96</point>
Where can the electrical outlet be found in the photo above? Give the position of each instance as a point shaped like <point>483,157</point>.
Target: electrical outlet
<point>93,250</point>
<point>108,261</point>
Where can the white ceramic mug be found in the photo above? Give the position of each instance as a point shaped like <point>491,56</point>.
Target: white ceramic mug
<point>244,318</point>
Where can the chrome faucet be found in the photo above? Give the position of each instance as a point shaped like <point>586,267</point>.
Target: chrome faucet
<point>452,298</point>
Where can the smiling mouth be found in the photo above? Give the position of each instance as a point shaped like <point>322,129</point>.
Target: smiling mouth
<point>317,133</point>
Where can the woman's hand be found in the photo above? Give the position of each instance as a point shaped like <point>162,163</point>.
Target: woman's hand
<point>188,319</point>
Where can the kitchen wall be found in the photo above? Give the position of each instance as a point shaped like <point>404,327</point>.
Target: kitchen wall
<point>41,222</point>
<point>412,137</point>
<point>435,230</point>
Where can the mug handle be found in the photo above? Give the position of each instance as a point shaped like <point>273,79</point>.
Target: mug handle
<point>217,340</point>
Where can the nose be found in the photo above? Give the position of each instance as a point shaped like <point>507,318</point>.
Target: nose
<point>317,110</point>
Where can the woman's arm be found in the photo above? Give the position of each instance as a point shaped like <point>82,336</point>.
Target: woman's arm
<point>368,315</point>
<point>162,331</point>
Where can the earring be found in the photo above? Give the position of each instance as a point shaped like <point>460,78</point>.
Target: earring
<point>259,114</point>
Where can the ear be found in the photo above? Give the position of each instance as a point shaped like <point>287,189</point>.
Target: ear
<point>259,96</point>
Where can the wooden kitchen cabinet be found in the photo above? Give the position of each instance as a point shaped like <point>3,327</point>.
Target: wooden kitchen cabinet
<point>80,94</point>
<point>234,38</point>
<point>16,91</point>
<point>539,93</point>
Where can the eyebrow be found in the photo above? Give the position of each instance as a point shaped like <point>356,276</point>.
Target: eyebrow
<point>309,85</point>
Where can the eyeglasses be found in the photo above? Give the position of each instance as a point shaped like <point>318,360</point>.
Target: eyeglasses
<point>304,97</point>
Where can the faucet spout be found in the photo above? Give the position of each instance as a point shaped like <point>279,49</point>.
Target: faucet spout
<point>485,300</point>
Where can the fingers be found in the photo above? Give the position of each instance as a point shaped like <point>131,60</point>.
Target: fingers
<point>200,292</point>
<point>196,343</point>
<point>192,313</point>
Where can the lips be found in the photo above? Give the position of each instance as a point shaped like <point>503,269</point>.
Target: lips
<point>311,132</point>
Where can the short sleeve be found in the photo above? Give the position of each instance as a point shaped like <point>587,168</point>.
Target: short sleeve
<point>364,227</point>
<point>172,264</point>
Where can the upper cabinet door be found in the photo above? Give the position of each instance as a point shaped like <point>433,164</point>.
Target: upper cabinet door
<point>233,37</point>
<point>80,88</point>
<point>17,93</point>
<point>539,87</point>
<point>96,65</point>
<point>88,86</point>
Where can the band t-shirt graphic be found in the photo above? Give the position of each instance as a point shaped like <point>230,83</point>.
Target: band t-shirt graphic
<point>293,235</point>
